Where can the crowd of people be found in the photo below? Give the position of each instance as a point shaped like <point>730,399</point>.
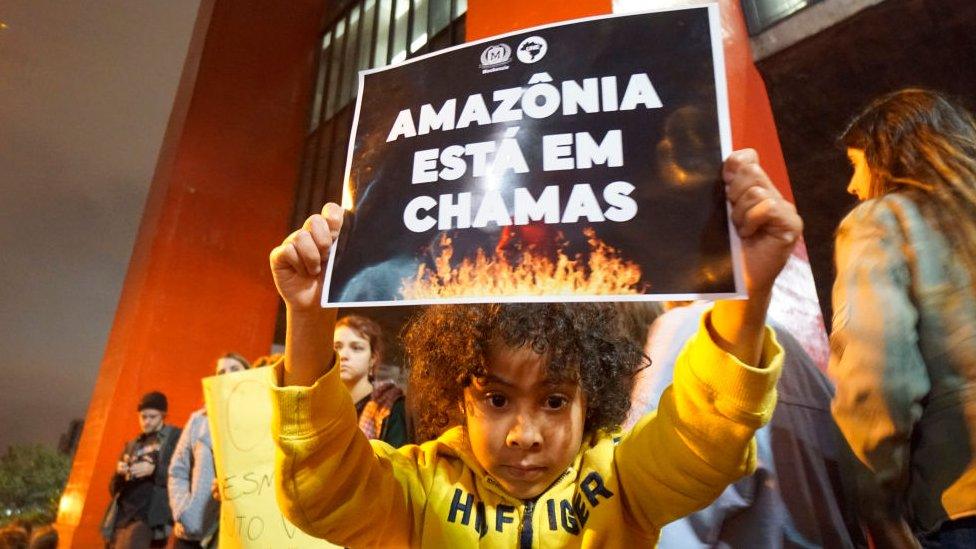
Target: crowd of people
<point>165,491</point>
<point>624,425</point>
<point>164,483</point>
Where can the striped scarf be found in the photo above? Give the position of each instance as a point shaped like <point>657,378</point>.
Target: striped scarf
<point>385,394</point>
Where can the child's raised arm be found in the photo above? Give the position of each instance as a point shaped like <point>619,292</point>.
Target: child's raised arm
<point>769,228</point>
<point>297,269</point>
<point>329,480</point>
<point>701,438</point>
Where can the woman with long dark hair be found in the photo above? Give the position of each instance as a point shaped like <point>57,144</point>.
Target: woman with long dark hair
<point>903,348</point>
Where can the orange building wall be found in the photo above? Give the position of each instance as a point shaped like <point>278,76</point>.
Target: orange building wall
<point>198,282</point>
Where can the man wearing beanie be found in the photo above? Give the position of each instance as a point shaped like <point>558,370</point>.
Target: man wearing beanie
<point>139,514</point>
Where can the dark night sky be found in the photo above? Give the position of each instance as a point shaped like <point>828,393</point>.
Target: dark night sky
<point>86,90</point>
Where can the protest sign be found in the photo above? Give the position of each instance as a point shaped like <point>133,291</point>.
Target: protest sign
<point>570,162</point>
<point>239,410</point>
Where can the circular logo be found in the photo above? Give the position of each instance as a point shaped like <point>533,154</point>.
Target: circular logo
<point>248,415</point>
<point>499,54</point>
<point>532,49</point>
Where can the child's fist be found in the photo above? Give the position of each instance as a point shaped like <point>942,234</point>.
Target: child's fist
<point>297,263</point>
<point>767,223</point>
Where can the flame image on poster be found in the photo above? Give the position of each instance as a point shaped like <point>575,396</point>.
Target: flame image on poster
<point>602,272</point>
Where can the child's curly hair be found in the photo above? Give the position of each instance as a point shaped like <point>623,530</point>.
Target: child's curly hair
<point>447,346</point>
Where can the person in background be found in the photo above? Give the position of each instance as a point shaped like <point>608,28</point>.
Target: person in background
<point>44,537</point>
<point>13,536</point>
<point>139,515</point>
<point>797,497</point>
<point>903,348</point>
<point>358,344</point>
<point>196,512</point>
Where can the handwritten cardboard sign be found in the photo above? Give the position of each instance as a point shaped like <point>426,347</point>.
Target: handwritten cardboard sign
<point>239,409</point>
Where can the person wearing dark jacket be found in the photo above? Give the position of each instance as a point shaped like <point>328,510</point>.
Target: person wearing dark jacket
<point>139,515</point>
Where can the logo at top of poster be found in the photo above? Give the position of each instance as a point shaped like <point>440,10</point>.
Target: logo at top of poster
<point>532,49</point>
<point>495,58</point>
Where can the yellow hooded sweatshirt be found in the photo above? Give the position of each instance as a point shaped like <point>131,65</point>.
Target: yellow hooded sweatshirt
<point>618,492</point>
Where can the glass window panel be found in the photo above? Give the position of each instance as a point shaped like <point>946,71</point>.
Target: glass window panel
<point>382,33</point>
<point>440,15</point>
<point>320,81</point>
<point>366,34</point>
<point>349,73</point>
<point>460,7</point>
<point>441,40</point>
<point>337,165</point>
<point>457,31</point>
<point>300,212</point>
<point>323,154</point>
<point>335,68</point>
<point>400,15</point>
<point>762,14</point>
<point>419,35</point>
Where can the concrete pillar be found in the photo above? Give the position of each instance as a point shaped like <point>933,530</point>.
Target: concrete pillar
<point>198,283</point>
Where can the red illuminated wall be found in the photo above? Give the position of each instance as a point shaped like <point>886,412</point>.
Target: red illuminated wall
<point>198,282</point>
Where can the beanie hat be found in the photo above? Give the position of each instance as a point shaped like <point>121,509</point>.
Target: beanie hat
<point>154,400</point>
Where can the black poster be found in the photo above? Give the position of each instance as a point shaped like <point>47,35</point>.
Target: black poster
<point>579,161</point>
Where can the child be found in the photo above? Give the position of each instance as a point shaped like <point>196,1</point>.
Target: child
<point>530,458</point>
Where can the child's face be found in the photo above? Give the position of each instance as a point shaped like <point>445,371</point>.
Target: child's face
<point>524,430</point>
